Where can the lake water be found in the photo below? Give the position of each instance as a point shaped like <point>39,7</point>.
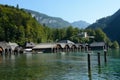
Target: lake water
<point>57,66</point>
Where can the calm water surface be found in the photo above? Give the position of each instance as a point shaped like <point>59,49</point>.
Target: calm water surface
<point>53,66</point>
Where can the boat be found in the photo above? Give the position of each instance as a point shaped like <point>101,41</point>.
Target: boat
<point>27,50</point>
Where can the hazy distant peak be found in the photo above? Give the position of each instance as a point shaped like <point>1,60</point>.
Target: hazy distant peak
<point>80,24</point>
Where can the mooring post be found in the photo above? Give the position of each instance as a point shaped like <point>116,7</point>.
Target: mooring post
<point>89,64</point>
<point>98,59</point>
<point>105,56</point>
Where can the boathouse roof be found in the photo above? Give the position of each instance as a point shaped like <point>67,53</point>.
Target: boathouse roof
<point>66,41</point>
<point>29,45</point>
<point>63,45</point>
<point>96,44</point>
<point>44,45</point>
<point>5,45</point>
<point>13,45</point>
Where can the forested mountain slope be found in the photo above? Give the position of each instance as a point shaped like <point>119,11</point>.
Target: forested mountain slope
<point>110,25</point>
<point>18,26</point>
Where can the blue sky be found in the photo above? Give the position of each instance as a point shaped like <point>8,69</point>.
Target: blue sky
<point>70,10</point>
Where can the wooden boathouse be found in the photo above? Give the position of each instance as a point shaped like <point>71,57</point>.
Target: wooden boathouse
<point>8,48</point>
<point>61,46</point>
<point>5,47</point>
<point>98,46</point>
<point>44,47</point>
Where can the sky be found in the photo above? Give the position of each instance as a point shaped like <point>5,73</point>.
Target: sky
<point>70,10</point>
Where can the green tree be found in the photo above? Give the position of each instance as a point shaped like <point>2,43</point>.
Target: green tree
<point>17,6</point>
<point>115,45</point>
<point>69,32</point>
<point>100,36</point>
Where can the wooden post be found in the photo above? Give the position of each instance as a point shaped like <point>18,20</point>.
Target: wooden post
<point>98,59</point>
<point>105,58</point>
<point>89,64</point>
<point>73,49</point>
<point>51,50</point>
<point>77,49</point>
<point>57,49</point>
<point>6,51</point>
<point>86,48</point>
<point>10,51</point>
<point>65,49</point>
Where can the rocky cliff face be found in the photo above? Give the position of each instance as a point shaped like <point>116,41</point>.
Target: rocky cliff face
<point>53,22</point>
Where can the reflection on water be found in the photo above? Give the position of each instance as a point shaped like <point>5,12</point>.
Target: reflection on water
<point>51,66</point>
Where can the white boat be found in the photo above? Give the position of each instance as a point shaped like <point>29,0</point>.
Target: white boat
<point>28,50</point>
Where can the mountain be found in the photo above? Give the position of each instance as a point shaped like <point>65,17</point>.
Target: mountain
<point>80,24</point>
<point>110,25</point>
<point>113,27</point>
<point>101,23</point>
<point>44,19</point>
<point>55,22</point>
